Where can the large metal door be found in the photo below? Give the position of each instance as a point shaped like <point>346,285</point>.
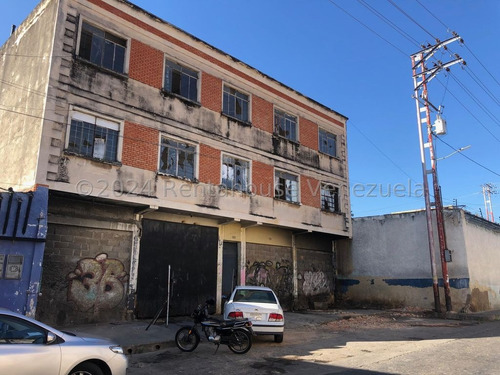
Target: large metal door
<point>191,252</point>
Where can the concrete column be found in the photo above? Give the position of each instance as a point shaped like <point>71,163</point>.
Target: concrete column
<point>220,251</point>
<point>134,269</point>
<point>295,270</point>
<point>243,256</point>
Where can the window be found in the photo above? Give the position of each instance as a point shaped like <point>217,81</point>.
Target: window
<point>330,198</point>
<point>286,187</point>
<point>327,143</point>
<point>17,331</point>
<point>102,48</point>
<point>235,104</point>
<point>177,158</point>
<point>285,125</point>
<point>94,137</point>
<point>235,173</point>
<point>181,80</point>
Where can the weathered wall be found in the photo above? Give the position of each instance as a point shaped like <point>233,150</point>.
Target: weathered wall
<point>387,263</point>
<point>271,266</point>
<point>24,65</point>
<point>482,240</point>
<point>86,263</point>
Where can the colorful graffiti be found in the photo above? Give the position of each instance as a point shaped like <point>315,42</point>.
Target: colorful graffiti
<point>275,275</point>
<point>315,282</point>
<point>97,283</point>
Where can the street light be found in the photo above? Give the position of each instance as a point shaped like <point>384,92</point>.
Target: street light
<point>454,152</point>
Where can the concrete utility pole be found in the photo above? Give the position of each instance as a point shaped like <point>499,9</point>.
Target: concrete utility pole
<point>421,77</point>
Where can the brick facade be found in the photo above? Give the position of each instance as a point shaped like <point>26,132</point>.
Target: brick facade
<point>140,147</point>
<point>146,64</point>
<point>211,92</point>
<point>262,179</point>
<point>210,165</point>
<point>308,133</point>
<point>310,191</point>
<point>262,114</point>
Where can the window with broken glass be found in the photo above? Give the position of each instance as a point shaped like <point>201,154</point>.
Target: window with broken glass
<point>93,137</point>
<point>327,143</point>
<point>330,198</point>
<point>102,48</point>
<point>181,81</point>
<point>285,125</point>
<point>286,186</point>
<point>177,158</point>
<point>235,104</point>
<point>235,173</point>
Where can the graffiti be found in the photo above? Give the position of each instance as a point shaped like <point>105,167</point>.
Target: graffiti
<point>315,283</point>
<point>97,283</point>
<point>277,276</point>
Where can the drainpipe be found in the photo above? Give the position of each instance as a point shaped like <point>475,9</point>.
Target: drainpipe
<point>134,256</point>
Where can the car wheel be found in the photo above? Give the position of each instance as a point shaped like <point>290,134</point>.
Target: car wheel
<point>278,338</point>
<point>86,368</point>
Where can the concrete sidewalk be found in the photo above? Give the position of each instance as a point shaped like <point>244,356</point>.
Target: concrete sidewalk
<point>135,339</point>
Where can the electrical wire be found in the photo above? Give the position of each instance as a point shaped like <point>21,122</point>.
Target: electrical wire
<point>369,28</point>
<point>411,18</point>
<point>390,23</point>
<point>468,158</point>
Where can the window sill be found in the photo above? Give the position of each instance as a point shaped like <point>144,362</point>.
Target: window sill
<point>245,192</point>
<point>194,180</point>
<point>289,202</point>
<point>183,99</point>
<point>101,68</point>
<point>280,137</point>
<point>331,212</point>
<point>115,163</point>
<point>330,156</point>
<point>241,122</point>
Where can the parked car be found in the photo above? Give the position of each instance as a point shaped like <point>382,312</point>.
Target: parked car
<point>261,306</point>
<point>28,346</point>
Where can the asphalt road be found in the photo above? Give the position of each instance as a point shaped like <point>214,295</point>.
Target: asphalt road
<point>369,344</point>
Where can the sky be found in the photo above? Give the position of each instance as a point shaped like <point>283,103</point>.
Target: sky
<point>353,56</point>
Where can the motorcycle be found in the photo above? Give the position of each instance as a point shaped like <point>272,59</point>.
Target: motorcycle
<point>236,334</point>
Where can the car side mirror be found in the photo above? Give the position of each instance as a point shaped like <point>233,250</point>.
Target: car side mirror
<point>51,337</point>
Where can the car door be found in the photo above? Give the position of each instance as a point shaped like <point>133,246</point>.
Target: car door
<point>24,350</point>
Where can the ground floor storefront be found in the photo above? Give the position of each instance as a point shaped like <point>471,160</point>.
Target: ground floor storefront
<point>105,261</point>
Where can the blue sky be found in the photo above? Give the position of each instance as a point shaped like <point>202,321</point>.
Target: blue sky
<point>324,53</point>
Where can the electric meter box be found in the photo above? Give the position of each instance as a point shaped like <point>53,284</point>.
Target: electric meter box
<point>14,267</point>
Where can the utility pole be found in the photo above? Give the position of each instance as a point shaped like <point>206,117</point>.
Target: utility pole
<point>422,75</point>
<point>489,189</point>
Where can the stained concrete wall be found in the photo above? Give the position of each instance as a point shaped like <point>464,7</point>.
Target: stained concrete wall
<point>25,60</point>
<point>482,240</point>
<point>388,263</point>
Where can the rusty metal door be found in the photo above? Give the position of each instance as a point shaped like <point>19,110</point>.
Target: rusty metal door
<point>191,251</point>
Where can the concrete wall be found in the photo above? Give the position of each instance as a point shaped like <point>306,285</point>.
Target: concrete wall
<point>387,263</point>
<point>24,73</point>
<point>482,240</point>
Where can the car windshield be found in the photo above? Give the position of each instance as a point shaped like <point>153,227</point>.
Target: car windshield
<point>249,295</point>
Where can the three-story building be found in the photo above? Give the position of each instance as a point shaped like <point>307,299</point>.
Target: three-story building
<point>165,156</point>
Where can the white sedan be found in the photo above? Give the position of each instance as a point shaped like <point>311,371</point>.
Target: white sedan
<point>30,347</point>
<point>261,306</point>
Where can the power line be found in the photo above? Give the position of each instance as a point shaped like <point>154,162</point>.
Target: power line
<point>465,156</point>
<point>389,22</point>
<point>411,18</point>
<point>369,28</point>
<point>470,112</point>
<point>484,67</point>
<point>433,15</point>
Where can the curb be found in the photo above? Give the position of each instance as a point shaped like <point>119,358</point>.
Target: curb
<point>146,348</point>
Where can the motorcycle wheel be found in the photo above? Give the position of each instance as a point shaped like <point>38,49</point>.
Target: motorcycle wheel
<point>240,341</point>
<point>187,339</point>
